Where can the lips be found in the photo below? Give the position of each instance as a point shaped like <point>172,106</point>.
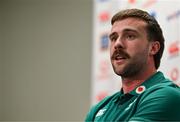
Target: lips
<point>119,58</point>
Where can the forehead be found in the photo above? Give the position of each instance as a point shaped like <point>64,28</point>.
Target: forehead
<point>129,23</point>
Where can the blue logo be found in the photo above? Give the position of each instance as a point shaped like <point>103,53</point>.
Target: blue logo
<point>104,41</point>
<point>153,13</point>
<point>174,15</point>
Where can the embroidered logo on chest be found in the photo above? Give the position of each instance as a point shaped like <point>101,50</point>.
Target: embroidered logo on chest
<point>100,112</point>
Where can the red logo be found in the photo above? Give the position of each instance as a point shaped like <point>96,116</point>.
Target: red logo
<point>131,1</point>
<point>104,16</point>
<point>174,74</point>
<point>174,49</point>
<point>140,89</point>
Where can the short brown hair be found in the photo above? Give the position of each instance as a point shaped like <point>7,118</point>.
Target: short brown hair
<point>153,29</point>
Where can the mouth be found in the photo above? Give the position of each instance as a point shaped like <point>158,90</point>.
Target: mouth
<point>119,59</point>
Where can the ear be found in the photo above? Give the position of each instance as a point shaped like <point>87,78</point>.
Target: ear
<point>154,47</point>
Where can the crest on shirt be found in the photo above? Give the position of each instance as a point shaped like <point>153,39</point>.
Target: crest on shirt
<point>140,89</point>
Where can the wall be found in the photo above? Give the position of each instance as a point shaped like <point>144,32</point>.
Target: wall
<point>46,59</point>
<point>0,65</point>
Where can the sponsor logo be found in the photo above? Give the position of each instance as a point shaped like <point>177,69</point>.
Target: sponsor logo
<point>174,74</point>
<point>104,16</point>
<point>131,1</point>
<point>153,13</point>
<point>174,49</point>
<point>174,15</point>
<point>104,42</point>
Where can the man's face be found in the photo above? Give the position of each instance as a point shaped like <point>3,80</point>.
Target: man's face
<point>129,48</point>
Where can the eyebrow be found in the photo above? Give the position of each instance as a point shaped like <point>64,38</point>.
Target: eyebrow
<point>130,30</point>
<point>124,31</point>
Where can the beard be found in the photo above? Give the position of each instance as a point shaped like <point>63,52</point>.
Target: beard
<point>131,69</point>
<point>133,65</point>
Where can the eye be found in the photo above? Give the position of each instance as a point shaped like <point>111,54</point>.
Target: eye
<point>130,36</point>
<point>113,39</point>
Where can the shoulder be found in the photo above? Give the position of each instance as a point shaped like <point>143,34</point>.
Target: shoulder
<point>160,102</point>
<point>168,89</point>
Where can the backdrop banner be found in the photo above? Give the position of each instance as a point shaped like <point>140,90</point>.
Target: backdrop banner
<point>104,80</point>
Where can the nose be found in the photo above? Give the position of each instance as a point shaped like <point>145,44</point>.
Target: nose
<point>119,43</point>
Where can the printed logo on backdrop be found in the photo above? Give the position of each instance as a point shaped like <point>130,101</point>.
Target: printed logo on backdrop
<point>104,42</point>
<point>131,1</point>
<point>173,15</point>
<point>174,74</point>
<point>153,13</point>
<point>174,49</point>
<point>104,16</point>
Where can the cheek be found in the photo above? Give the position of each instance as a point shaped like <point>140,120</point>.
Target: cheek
<point>138,50</point>
<point>142,53</point>
<point>132,49</point>
<point>138,45</point>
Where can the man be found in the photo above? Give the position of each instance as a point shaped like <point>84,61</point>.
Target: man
<point>137,45</point>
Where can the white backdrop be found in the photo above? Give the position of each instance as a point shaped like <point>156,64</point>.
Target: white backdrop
<point>104,80</point>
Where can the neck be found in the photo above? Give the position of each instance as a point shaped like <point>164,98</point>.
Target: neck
<point>129,84</point>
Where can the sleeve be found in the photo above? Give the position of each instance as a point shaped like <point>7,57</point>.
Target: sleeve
<point>161,104</point>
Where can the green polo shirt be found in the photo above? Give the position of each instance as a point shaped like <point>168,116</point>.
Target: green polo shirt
<point>156,99</point>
